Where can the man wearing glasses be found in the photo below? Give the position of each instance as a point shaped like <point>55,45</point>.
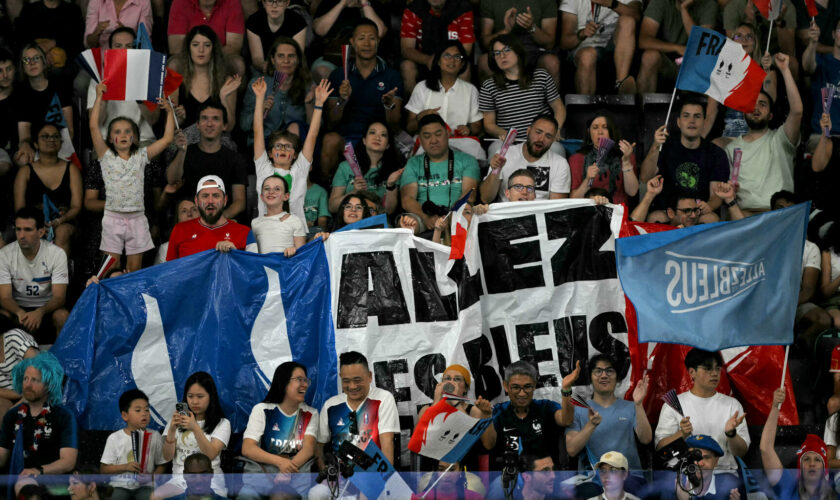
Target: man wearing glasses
<point>706,411</point>
<point>611,425</point>
<point>688,164</point>
<point>683,212</point>
<point>549,170</point>
<point>532,424</point>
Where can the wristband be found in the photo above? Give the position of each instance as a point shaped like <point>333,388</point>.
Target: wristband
<point>318,107</point>
<point>40,469</point>
<point>391,187</point>
<point>732,203</point>
<point>565,393</point>
<point>627,169</point>
<point>496,171</point>
<point>730,434</point>
<point>389,108</point>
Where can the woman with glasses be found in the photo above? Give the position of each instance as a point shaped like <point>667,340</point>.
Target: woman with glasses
<point>515,94</point>
<point>611,423</point>
<point>444,93</point>
<point>289,100</point>
<point>380,165</point>
<point>52,179</point>
<point>730,122</point>
<point>273,21</point>
<point>281,432</point>
<point>35,95</point>
<point>616,172</point>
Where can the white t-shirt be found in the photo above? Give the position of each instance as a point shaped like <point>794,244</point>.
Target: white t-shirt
<point>186,445</point>
<point>128,109</point>
<point>708,416</point>
<point>811,256</point>
<point>830,434</point>
<point>32,280</point>
<point>584,10</point>
<point>766,168</point>
<point>286,432</point>
<point>124,181</point>
<point>335,413</point>
<point>15,344</point>
<point>296,177</point>
<point>276,235</point>
<point>119,450</point>
<point>551,172</point>
<point>458,105</point>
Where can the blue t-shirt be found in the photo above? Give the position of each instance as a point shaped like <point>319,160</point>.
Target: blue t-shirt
<point>617,431</point>
<point>828,71</point>
<point>365,102</point>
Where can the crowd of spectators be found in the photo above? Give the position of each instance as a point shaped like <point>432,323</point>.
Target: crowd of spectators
<point>427,96</point>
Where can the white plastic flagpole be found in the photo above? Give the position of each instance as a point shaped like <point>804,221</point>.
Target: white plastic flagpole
<point>437,480</point>
<point>769,34</point>
<point>670,106</point>
<point>784,369</point>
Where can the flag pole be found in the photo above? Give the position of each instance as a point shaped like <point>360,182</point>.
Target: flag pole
<point>769,34</point>
<point>670,106</point>
<point>430,488</point>
<point>784,369</point>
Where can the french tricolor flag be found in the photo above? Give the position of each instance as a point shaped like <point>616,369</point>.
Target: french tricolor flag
<point>720,68</point>
<point>134,75</point>
<point>459,228</point>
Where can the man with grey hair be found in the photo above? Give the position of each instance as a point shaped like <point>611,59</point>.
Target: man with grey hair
<point>532,424</point>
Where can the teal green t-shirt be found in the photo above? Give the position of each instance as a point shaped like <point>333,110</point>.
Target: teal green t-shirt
<point>344,177</point>
<point>441,190</point>
<point>315,203</point>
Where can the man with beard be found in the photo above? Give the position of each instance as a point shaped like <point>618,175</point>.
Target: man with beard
<point>767,154</point>
<point>550,170</point>
<point>48,429</point>
<point>689,165</point>
<point>210,157</point>
<point>212,229</point>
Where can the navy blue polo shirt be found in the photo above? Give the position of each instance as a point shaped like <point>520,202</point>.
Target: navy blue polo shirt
<point>365,103</point>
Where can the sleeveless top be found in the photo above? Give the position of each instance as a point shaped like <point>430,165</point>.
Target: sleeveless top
<point>35,190</point>
<point>191,105</point>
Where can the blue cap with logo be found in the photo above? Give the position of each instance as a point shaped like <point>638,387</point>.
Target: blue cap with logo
<point>704,442</point>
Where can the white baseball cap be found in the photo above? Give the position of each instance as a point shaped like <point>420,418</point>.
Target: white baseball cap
<point>613,458</point>
<point>217,183</point>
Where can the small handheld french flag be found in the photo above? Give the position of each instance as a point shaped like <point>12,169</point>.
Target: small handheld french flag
<point>459,227</point>
<point>720,68</point>
<point>134,75</point>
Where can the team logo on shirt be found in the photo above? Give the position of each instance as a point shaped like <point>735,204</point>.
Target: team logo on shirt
<point>381,86</point>
<point>194,236</point>
<point>227,236</point>
<point>536,426</point>
<point>453,35</point>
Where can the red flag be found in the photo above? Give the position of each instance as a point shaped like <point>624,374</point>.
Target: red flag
<point>763,7</point>
<point>811,5</point>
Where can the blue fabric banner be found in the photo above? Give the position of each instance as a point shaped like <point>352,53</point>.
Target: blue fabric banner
<point>234,315</point>
<point>719,285</point>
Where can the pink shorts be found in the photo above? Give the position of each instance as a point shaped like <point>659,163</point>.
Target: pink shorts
<point>128,230</point>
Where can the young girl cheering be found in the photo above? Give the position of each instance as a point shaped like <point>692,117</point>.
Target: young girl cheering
<point>124,225</point>
<point>286,157</point>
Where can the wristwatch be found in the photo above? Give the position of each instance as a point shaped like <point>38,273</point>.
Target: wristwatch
<point>732,203</point>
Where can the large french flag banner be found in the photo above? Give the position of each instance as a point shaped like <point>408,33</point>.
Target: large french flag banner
<point>714,286</point>
<point>720,68</point>
<point>134,75</point>
<point>446,434</point>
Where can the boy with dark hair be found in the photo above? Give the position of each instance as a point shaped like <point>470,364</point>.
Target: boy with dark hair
<point>132,454</point>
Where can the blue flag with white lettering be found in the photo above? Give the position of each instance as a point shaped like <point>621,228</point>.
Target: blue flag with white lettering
<point>235,315</point>
<point>718,285</point>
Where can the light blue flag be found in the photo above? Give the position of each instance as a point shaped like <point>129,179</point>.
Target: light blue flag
<point>142,41</point>
<point>718,285</point>
<point>235,315</point>
<point>374,222</point>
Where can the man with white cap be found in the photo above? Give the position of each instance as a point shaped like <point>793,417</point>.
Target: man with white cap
<point>613,470</point>
<point>212,229</point>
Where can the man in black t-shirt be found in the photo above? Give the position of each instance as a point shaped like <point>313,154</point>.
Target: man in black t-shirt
<point>688,165</point>
<point>209,157</point>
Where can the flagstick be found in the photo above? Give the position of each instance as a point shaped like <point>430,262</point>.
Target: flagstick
<point>784,370</point>
<point>670,106</point>
<point>769,34</point>
<point>178,127</point>
<point>430,488</point>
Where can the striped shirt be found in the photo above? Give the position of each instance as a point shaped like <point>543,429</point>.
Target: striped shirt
<point>515,107</point>
<point>15,344</point>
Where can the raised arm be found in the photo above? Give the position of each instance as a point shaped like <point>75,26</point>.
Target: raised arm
<point>794,118</point>
<point>259,87</point>
<point>99,144</point>
<point>769,458</point>
<point>322,92</point>
<point>161,144</point>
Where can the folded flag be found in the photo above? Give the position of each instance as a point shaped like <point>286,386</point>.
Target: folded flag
<point>134,75</point>
<point>55,115</point>
<point>91,61</point>
<point>446,434</point>
<point>142,41</point>
<point>460,224</point>
<point>720,68</point>
<point>719,285</point>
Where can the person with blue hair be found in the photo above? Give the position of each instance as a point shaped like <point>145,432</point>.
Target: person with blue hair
<point>38,436</point>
